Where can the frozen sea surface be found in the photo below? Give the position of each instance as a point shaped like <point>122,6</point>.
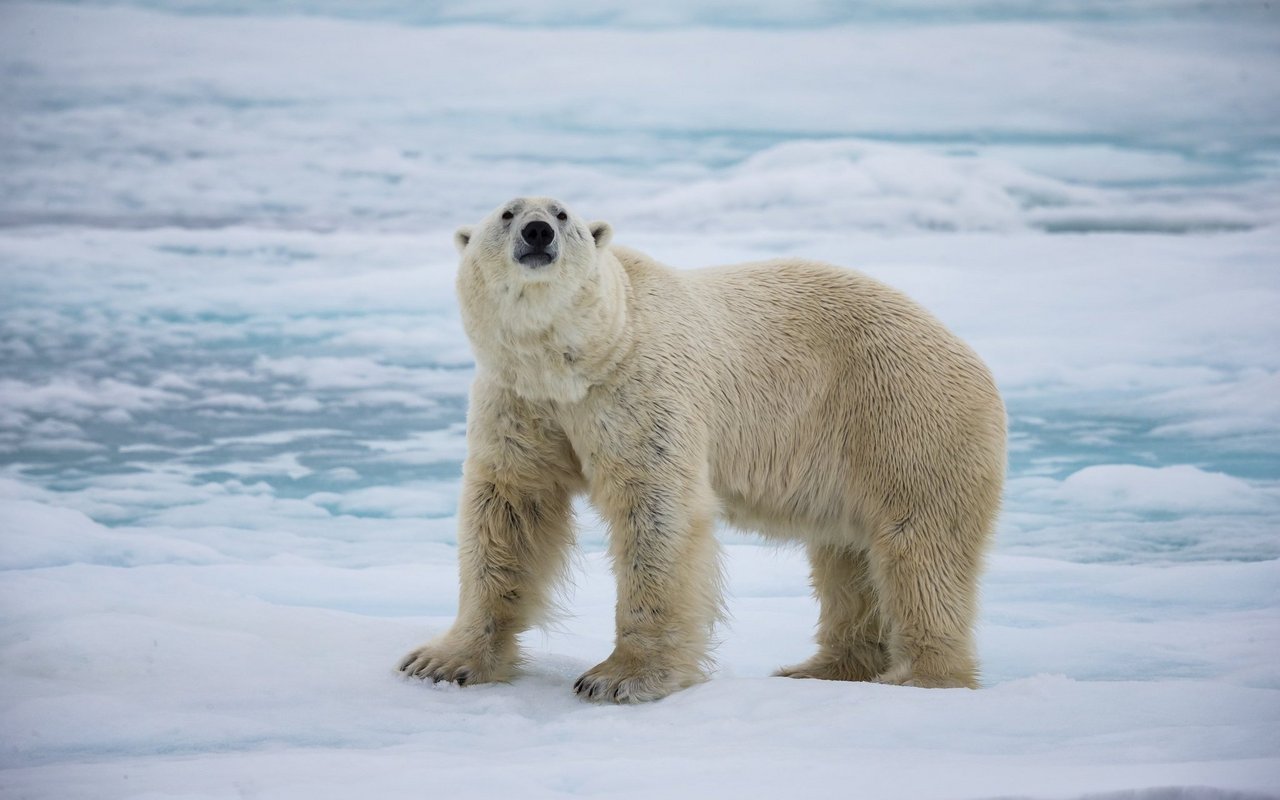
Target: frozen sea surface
<point>233,383</point>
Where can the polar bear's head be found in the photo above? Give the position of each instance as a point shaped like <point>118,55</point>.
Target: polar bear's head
<point>533,239</point>
<point>533,268</point>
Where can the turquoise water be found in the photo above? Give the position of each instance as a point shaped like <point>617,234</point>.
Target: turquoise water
<point>224,230</point>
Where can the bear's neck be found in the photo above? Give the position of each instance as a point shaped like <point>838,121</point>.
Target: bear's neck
<point>546,343</point>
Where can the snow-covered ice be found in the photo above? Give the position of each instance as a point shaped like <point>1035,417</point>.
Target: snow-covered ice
<point>233,382</point>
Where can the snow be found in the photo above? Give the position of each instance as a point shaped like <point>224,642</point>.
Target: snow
<point>233,381</point>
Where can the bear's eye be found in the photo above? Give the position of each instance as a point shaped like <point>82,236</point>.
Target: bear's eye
<point>562,216</point>
<point>507,215</point>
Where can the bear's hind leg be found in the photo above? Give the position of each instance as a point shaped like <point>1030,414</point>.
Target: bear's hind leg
<point>926,574</point>
<point>850,633</point>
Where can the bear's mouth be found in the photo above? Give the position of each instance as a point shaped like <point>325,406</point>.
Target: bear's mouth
<point>536,258</point>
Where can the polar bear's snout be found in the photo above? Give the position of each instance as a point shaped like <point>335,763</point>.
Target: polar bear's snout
<point>537,245</point>
<point>538,234</point>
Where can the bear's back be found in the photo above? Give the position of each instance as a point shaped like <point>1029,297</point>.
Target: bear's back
<point>820,372</point>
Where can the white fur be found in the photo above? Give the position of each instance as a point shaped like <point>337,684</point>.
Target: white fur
<point>804,401</point>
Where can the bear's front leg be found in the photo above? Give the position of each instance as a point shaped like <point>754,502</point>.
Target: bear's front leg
<point>513,539</point>
<point>665,559</point>
<point>512,544</point>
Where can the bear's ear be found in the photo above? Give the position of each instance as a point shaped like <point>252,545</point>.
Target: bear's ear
<point>602,232</point>
<point>462,237</point>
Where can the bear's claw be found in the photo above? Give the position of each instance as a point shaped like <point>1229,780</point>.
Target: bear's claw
<point>601,684</point>
<point>430,663</point>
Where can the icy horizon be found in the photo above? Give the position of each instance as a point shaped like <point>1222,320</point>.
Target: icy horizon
<point>233,383</point>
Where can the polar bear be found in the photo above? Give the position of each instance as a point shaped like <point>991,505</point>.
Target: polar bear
<point>800,400</point>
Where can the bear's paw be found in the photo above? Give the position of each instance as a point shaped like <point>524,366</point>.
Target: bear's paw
<point>441,661</point>
<point>629,680</point>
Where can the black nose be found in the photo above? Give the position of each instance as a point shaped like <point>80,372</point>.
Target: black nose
<point>538,233</point>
